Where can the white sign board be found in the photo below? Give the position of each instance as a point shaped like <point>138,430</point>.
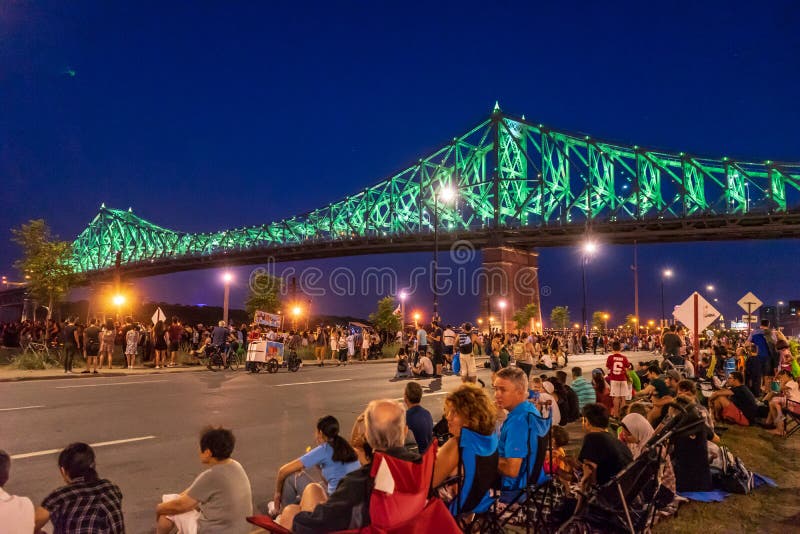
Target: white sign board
<point>158,316</point>
<point>748,318</point>
<point>267,319</point>
<point>749,303</point>
<point>706,313</point>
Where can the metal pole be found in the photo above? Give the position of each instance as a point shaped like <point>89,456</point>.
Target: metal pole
<point>663,317</point>
<point>636,285</point>
<point>583,269</point>
<point>435,256</point>
<point>225,300</point>
<point>749,317</point>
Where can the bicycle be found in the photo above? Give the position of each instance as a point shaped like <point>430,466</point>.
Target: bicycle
<point>41,351</point>
<point>234,358</point>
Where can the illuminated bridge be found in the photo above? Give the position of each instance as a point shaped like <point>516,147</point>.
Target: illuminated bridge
<point>517,184</point>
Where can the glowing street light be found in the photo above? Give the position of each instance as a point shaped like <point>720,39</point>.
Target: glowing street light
<point>227,277</point>
<point>417,317</point>
<point>589,249</point>
<point>403,296</point>
<point>446,194</point>
<point>606,318</point>
<point>709,287</point>
<point>503,305</point>
<point>666,273</point>
<point>118,300</point>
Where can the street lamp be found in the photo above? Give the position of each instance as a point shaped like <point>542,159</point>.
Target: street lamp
<point>605,318</point>
<point>502,304</point>
<point>666,273</point>
<point>118,301</point>
<point>403,296</point>
<point>416,319</point>
<point>227,278</point>
<point>778,313</point>
<point>447,194</point>
<point>296,311</point>
<point>589,248</point>
<point>709,287</point>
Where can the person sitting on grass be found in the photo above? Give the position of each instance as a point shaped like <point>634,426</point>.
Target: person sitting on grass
<point>734,404</point>
<point>87,503</point>
<point>660,394</point>
<point>602,455</point>
<point>220,497</point>
<point>333,456</point>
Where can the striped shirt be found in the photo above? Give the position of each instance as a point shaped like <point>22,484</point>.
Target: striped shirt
<point>584,391</point>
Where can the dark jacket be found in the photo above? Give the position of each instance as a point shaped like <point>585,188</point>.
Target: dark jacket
<point>348,506</point>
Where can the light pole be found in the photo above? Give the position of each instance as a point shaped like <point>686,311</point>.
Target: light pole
<point>502,304</point>
<point>666,273</point>
<point>416,320</point>
<point>296,311</point>
<point>778,314</point>
<point>403,296</point>
<point>589,248</point>
<point>447,195</point>
<point>605,325</point>
<point>227,277</point>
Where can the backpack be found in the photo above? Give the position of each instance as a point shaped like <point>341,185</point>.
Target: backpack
<point>730,474</point>
<point>402,365</point>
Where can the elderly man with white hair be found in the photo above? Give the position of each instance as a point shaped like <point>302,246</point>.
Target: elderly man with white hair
<point>348,506</point>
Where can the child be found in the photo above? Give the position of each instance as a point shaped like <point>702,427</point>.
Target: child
<point>558,465</point>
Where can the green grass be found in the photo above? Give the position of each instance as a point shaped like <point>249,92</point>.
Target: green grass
<point>765,509</point>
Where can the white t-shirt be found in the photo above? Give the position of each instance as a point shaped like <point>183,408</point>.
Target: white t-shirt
<point>16,514</point>
<point>449,337</point>
<point>426,365</point>
<point>554,411</point>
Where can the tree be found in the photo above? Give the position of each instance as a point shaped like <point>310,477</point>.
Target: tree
<point>265,293</point>
<point>46,262</point>
<point>385,319</point>
<point>559,317</point>
<point>598,320</point>
<point>523,317</point>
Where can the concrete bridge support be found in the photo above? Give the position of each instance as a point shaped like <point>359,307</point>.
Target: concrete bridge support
<point>509,282</point>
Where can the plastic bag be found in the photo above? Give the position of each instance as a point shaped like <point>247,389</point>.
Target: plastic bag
<point>457,363</point>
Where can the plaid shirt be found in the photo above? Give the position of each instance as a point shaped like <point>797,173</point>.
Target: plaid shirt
<point>86,508</point>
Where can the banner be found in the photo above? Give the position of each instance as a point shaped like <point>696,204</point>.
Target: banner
<point>274,349</point>
<point>267,319</point>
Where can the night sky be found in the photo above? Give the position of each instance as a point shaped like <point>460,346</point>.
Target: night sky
<point>208,115</point>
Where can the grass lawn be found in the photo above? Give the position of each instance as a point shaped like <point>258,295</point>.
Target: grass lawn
<point>764,510</point>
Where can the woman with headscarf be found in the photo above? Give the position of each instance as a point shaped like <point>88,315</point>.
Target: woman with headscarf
<point>635,432</point>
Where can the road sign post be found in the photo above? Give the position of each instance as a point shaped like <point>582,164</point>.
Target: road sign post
<point>749,303</point>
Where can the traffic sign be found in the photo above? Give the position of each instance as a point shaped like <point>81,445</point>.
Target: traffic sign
<point>748,318</point>
<point>158,316</point>
<point>749,303</point>
<point>706,313</point>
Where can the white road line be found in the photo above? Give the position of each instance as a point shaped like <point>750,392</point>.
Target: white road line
<point>112,384</point>
<point>20,408</point>
<point>100,444</point>
<point>315,382</point>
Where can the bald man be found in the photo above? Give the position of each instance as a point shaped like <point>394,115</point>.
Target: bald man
<point>385,429</point>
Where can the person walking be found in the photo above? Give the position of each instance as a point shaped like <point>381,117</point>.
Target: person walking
<point>365,343</point>
<point>319,347</point>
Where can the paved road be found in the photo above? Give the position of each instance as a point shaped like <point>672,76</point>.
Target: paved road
<point>273,417</point>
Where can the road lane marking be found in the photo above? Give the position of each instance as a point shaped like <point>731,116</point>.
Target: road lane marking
<point>100,444</point>
<point>112,384</point>
<point>20,408</point>
<point>315,382</point>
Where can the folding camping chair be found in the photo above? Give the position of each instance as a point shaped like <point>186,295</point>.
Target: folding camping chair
<point>791,418</point>
<point>401,509</point>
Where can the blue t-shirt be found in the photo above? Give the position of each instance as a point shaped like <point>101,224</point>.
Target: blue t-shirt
<point>514,441</point>
<point>333,472</point>
<point>420,422</point>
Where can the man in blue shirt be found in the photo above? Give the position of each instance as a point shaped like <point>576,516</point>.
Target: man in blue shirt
<point>520,431</point>
<point>418,419</point>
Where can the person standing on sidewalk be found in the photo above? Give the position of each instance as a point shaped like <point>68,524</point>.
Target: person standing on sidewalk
<point>175,334</point>
<point>618,365</point>
<point>107,336</point>
<point>91,346</point>
<point>71,343</point>
<point>131,345</point>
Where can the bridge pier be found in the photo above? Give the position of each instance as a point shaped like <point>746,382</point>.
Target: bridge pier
<point>510,275</point>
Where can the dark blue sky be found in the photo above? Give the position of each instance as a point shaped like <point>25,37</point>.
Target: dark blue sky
<point>208,115</point>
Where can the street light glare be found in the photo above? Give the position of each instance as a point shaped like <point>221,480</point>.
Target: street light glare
<point>296,310</point>
<point>447,194</point>
<point>590,247</point>
<point>668,273</point>
<point>118,300</point>
<point>710,287</point>
<point>227,277</point>
<point>403,295</point>
<point>502,304</point>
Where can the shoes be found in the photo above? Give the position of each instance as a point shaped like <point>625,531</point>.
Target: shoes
<point>436,376</point>
<point>85,372</point>
<point>95,372</point>
<point>159,367</point>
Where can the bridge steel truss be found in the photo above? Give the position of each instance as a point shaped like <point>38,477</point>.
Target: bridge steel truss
<point>515,181</point>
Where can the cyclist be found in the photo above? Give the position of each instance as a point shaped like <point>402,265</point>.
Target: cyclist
<point>219,339</point>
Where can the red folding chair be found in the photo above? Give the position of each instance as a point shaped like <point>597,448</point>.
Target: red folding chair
<point>405,509</point>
